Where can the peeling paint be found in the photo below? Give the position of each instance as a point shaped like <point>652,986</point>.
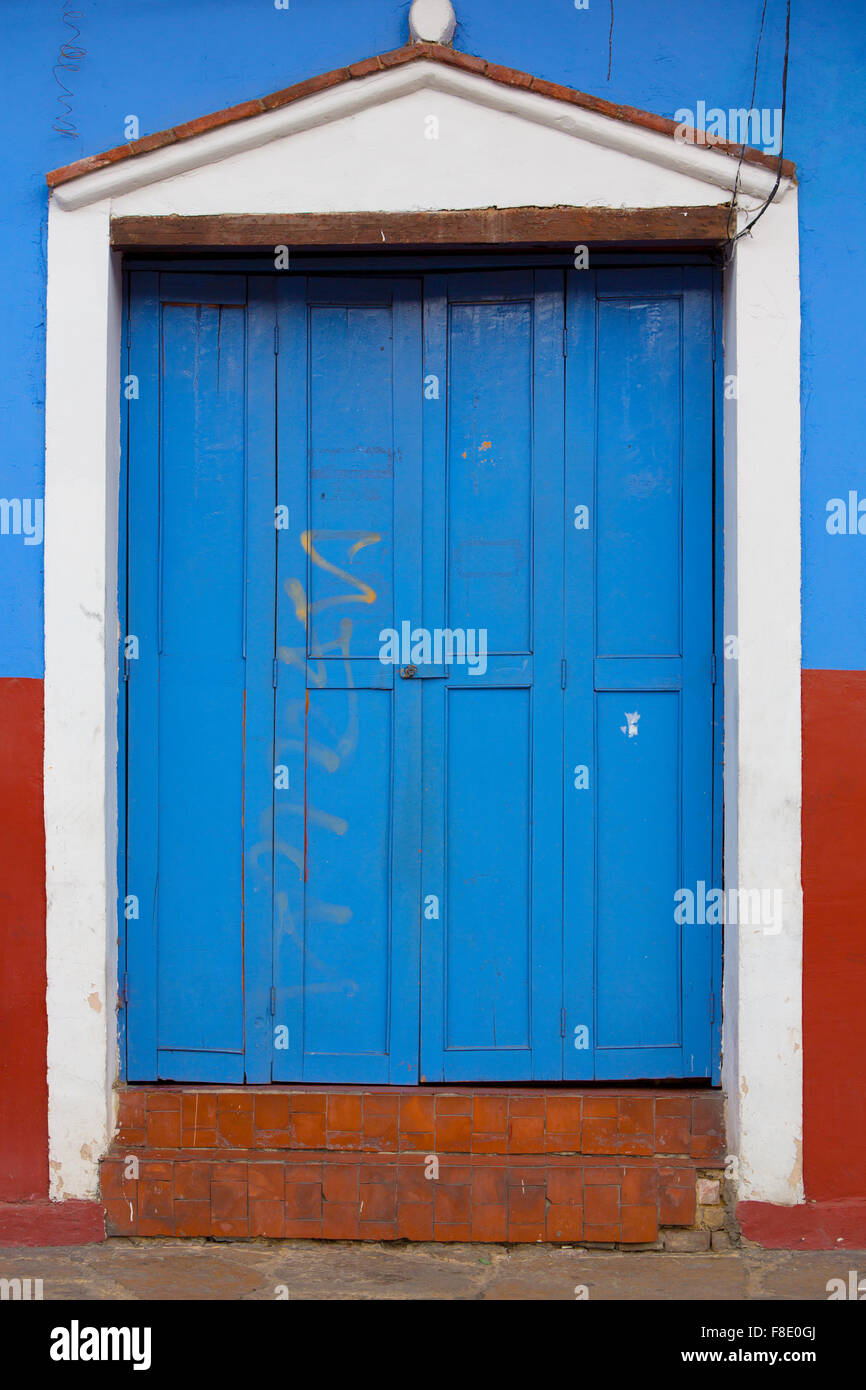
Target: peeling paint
<point>630,727</point>
<point>796,1175</point>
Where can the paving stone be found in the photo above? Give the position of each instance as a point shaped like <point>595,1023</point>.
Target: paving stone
<point>799,1274</point>
<point>183,1270</point>
<point>686,1242</point>
<point>622,1277</point>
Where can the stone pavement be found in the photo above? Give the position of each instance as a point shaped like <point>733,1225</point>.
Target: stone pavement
<point>125,1270</point>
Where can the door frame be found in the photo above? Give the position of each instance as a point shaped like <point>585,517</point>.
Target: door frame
<point>762,1030</point>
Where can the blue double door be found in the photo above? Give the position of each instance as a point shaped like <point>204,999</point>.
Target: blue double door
<point>418,688</point>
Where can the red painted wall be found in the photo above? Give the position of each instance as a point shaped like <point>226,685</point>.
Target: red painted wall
<point>834,991</point>
<point>23,1025</point>
<point>834,948</point>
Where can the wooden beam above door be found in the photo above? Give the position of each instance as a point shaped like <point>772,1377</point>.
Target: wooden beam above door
<point>526,226</point>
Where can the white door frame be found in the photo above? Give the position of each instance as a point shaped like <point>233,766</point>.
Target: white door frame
<point>324,153</point>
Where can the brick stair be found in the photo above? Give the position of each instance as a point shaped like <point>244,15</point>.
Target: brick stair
<point>618,1166</point>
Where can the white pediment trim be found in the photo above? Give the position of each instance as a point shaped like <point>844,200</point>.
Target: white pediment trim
<point>708,166</point>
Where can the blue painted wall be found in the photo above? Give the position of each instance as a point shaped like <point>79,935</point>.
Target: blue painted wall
<point>171,60</point>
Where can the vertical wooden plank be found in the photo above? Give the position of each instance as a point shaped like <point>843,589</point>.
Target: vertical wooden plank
<point>290,748</point>
<point>547,696</point>
<point>353,459</point>
<point>123,618</point>
<point>697,699</point>
<point>434,889</point>
<point>201,678</point>
<point>142,933</point>
<point>262,783</point>
<point>405,944</point>
<point>579,785</point>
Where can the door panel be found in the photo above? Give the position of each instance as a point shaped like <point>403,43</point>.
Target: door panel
<point>488,998</point>
<point>637,966</point>
<point>348,731</point>
<point>639,715</point>
<point>190,617</point>
<point>492,733</point>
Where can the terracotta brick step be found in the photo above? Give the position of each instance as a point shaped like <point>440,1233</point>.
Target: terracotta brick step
<point>620,1122</point>
<point>244,1193</point>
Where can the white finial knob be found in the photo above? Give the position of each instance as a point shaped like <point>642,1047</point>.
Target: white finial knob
<point>432,21</point>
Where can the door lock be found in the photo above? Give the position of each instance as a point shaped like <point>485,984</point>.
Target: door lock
<point>407,672</point>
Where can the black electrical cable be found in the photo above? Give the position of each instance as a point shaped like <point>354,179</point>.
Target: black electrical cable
<point>610,43</point>
<point>746,127</point>
<point>69,60</point>
<point>775,189</point>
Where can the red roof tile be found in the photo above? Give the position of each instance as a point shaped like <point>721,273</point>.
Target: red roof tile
<point>495,72</point>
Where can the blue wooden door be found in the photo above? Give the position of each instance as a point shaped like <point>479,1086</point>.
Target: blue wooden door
<point>458,862</point>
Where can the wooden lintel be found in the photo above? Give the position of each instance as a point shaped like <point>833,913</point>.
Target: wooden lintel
<point>471,227</point>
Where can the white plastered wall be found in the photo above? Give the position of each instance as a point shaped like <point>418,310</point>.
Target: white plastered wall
<point>82,454</point>
<point>365,147</point>
<point>763,1055</point>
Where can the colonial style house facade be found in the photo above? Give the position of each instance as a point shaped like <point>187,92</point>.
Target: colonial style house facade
<point>436,815</point>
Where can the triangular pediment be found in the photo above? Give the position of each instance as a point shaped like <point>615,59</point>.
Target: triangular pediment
<point>421,128</point>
